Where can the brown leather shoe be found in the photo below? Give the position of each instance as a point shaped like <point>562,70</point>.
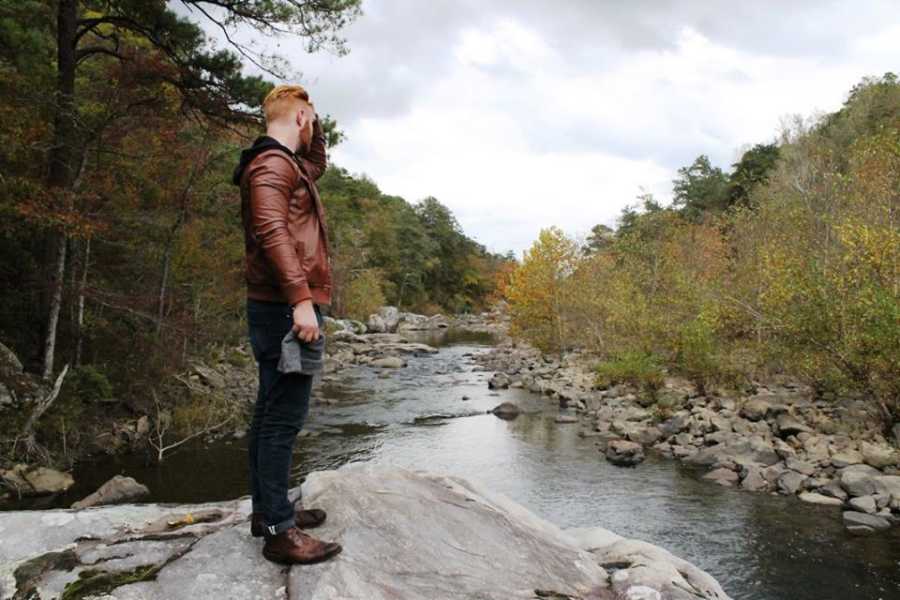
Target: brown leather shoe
<point>292,546</point>
<point>304,518</point>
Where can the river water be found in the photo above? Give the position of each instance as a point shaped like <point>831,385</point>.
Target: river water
<point>759,547</point>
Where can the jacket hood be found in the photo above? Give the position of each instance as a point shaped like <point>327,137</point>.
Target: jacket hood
<point>260,145</point>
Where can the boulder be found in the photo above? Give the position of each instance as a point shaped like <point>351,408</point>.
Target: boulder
<point>623,453</point>
<point>879,455</point>
<point>752,479</point>
<point>40,481</point>
<point>845,458</point>
<point>858,519</point>
<point>787,424</point>
<point>800,466</point>
<point>676,424</point>
<point>864,504</point>
<point>506,410</point>
<point>888,484</point>
<point>384,321</point>
<point>389,362</point>
<point>646,436</point>
<point>790,482</point>
<point>117,490</point>
<point>860,480</point>
<point>643,571</point>
<point>722,476</point>
<point>747,450</point>
<point>755,409</point>
<point>405,536</point>
<point>815,498</point>
<point>499,381</point>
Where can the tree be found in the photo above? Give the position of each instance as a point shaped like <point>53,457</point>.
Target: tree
<point>700,188</point>
<point>600,239</point>
<point>208,81</point>
<point>750,172</point>
<point>537,290</point>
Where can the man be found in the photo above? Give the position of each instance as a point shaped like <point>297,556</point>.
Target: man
<point>288,278</point>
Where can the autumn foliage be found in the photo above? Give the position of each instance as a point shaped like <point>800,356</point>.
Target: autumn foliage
<point>800,276</point>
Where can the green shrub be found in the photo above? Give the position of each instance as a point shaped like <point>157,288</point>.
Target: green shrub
<point>640,369</point>
<point>363,295</point>
<point>88,384</point>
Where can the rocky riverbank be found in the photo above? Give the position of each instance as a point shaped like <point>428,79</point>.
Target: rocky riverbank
<point>406,535</point>
<point>778,439</point>
<point>227,378</point>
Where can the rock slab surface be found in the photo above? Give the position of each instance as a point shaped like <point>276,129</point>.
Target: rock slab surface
<point>406,535</point>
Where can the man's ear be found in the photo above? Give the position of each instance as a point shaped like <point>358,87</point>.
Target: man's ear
<point>301,118</point>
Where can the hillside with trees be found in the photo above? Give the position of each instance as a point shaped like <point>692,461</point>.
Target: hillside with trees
<point>789,264</point>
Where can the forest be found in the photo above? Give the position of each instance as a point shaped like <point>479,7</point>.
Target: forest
<point>789,265</point>
<point>121,247</point>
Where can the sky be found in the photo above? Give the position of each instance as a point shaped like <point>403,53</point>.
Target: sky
<point>522,114</point>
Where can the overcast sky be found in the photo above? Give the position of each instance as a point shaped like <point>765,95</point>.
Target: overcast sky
<point>520,114</point>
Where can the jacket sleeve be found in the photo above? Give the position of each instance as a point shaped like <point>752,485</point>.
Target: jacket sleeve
<point>316,160</point>
<point>271,184</point>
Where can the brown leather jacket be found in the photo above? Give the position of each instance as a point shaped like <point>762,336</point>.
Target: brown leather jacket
<point>285,235</point>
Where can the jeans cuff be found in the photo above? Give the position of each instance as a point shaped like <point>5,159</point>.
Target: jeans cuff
<point>272,530</point>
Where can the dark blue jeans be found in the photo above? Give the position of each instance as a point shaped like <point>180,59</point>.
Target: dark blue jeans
<point>282,404</point>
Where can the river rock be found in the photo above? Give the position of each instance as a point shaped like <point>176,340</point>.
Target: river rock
<point>755,409</point>
<point>753,480</point>
<point>834,490</point>
<point>117,490</point>
<point>790,482</point>
<point>566,419</point>
<point>746,450</point>
<point>644,571</point>
<point>878,455</point>
<point>816,498</point>
<point>384,321</point>
<point>800,466</point>
<point>787,424</point>
<point>864,504</point>
<point>506,410</point>
<point>405,536</point>
<point>623,453</point>
<point>858,519</point>
<point>676,424</point>
<point>722,476</point>
<point>846,458</point>
<point>389,362</point>
<point>39,481</point>
<point>645,435</point>
<point>860,480</point>
<point>499,381</point>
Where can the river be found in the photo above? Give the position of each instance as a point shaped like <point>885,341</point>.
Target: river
<point>759,547</point>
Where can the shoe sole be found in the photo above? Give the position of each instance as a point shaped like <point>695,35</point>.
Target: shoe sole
<point>285,561</point>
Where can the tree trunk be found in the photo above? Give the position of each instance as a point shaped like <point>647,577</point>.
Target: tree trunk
<point>56,290</point>
<point>164,280</point>
<point>79,318</point>
<point>60,175</point>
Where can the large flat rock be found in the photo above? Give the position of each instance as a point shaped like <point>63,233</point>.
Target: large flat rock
<point>406,535</point>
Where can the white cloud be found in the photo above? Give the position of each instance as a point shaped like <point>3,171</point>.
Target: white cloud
<point>518,115</point>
